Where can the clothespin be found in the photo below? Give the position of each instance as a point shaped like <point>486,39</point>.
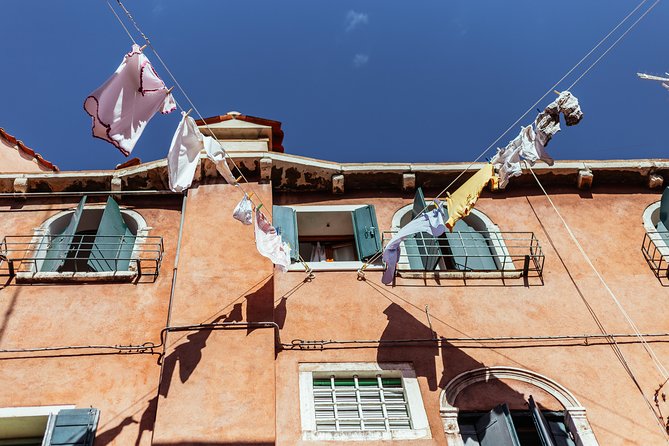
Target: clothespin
<point>239,178</point>
<point>188,112</point>
<point>556,92</point>
<point>142,48</point>
<point>170,90</point>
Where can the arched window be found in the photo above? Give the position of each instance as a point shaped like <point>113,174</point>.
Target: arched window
<point>655,245</point>
<point>503,427</point>
<point>475,244</point>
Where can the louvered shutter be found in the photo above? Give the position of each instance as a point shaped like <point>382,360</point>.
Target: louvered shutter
<point>560,434</point>
<point>60,244</point>
<point>113,243</point>
<point>74,427</point>
<point>496,428</point>
<point>423,254</point>
<point>284,219</point>
<point>468,248</point>
<point>366,232</point>
<point>543,429</point>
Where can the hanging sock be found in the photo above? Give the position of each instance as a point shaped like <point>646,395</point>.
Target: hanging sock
<point>244,211</point>
<point>124,104</point>
<point>461,202</point>
<point>184,154</point>
<point>216,154</point>
<point>431,222</point>
<point>269,243</point>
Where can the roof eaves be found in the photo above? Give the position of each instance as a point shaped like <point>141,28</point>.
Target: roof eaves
<point>27,150</point>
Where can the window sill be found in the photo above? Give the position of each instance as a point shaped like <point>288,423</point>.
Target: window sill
<point>500,274</point>
<point>413,434</point>
<point>69,277</point>
<point>334,266</point>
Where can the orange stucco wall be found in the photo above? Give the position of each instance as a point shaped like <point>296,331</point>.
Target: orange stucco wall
<point>13,160</point>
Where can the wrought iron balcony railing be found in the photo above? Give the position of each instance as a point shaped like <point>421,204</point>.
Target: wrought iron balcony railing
<point>655,249</point>
<point>54,255</point>
<point>474,254</point>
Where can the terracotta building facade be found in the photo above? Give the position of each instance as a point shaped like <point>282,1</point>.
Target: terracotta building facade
<point>131,315</point>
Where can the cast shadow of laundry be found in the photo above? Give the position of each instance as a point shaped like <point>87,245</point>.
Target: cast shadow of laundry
<point>109,435</point>
<point>260,305</point>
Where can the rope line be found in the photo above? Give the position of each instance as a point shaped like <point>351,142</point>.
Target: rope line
<point>192,105</point>
<point>377,255</point>
<point>121,22</point>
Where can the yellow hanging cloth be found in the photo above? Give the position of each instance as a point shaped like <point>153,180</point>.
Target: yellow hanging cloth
<point>461,202</point>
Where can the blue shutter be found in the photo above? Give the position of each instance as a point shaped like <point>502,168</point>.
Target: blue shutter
<point>366,232</point>
<point>423,254</point>
<point>60,244</point>
<point>496,428</point>
<point>664,208</point>
<point>560,434</point>
<point>113,243</point>
<point>469,249</point>
<point>284,219</point>
<point>74,427</point>
<point>543,429</point>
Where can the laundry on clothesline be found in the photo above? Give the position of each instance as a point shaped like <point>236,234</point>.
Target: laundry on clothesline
<point>269,242</point>
<point>124,104</point>
<point>530,144</point>
<point>184,154</point>
<point>244,211</point>
<point>432,222</point>
<point>216,154</point>
<point>461,202</point>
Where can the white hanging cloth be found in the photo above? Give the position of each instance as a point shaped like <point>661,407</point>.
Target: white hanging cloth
<point>318,253</point>
<point>216,154</point>
<point>124,104</point>
<point>244,211</point>
<point>269,242</point>
<point>184,154</point>
<point>432,222</point>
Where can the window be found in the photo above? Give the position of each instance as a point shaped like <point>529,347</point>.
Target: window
<point>476,247</point>
<point>49,425</point>
<point>361,401</point>
<point>655,245</point>
<point>329,237</point>
<point>502,427</point>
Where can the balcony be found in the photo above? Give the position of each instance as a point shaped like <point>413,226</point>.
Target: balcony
<point>655,249</point>
<point>81,258</point>
<point>470,255</point>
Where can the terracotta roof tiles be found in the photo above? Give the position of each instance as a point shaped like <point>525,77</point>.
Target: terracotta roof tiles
<point>27,150</point>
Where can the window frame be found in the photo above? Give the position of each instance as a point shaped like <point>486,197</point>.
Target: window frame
<point>35,411</point>
<point>418,418</point>
<point>331,266</point>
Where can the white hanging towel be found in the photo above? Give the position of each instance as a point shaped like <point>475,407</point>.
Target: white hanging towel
<point>432,222</point>
<point>244,211</point>
<point>124,104</point>
<point>269,242</point>
<point>184,154</point>
<point>216,154</point>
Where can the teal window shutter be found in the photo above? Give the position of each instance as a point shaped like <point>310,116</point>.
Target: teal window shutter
<point>543,429</point>
<point>60,244</point>
<point>113,243</point>
<point>496,428</point>
<point>284,219</point>
<point>664,208</point>
<point>74,427</point>
<point>366,232</point>
<point>468,249</point>
<point>423,254</point>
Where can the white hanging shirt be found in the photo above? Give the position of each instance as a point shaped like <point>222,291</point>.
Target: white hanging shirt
<point>184,154</point>
<point>244,211</point>
<point>216,154</point>
<point>124,104</point>
<point>269,242</point>
<point>432,222</point>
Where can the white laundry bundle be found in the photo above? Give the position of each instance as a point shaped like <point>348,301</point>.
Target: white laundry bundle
<point>244,211</point>
<point>124,104</point>
<point>216,154</point>
<point>269,242</point>
<point>530,144</point>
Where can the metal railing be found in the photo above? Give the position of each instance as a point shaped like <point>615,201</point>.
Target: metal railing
<point>503,253</point>
<point>655,249</point>
<point>27,254</point>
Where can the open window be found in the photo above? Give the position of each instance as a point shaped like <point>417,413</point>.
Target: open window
<point>328,237</point>
<point>655,245</point>
<point>46,426</point>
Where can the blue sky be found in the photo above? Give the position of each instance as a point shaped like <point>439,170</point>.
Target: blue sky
<point>427,81</point>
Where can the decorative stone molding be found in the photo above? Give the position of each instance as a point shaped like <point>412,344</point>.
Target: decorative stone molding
<point>655,181</point>
<point>408,182</point>
<point>585,177</point>
<point>265,169</point>
<point>338,184</point>
<point>21,185</point>
<point>575,416</point>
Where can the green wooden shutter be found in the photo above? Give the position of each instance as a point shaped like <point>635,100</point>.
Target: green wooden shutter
<point>496,428</point>
<point>74,427</point>
<point>465,245</point>
<point>284,219</point>
<point>664,208</point>
<point>543,429</point>
<point>423,254</point>
<point>560,434</point>
<point>366,232</point>
<point>60,244</point>
<point>113,243</point>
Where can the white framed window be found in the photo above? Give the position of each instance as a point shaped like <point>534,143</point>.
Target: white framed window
<point>47,425</point>
<point>361,401</point>
<point>333,237</point>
